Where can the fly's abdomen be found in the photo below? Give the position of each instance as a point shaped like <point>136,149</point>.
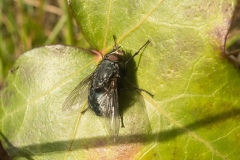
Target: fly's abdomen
<point>104,75</point>
<point>93,101</point>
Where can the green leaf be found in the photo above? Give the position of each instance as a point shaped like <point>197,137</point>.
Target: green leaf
<point>195,110</point>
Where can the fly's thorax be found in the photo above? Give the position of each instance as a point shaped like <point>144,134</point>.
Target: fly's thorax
<point>104,73</point>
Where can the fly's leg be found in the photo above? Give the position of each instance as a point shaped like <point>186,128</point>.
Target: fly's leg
<point>132,58</point>
<point>84,110</point>
<point>140,89</point>
<point>137,52</point>
<point>115,47</point>
<point>121,118</point>
<point>121,115</point>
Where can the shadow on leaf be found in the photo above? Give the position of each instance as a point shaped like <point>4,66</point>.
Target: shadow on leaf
<point>162,136</point>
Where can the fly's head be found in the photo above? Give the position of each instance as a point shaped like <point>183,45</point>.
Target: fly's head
<point>116,55</point>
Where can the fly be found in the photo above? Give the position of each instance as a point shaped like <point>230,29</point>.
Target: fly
<point>101,88</point>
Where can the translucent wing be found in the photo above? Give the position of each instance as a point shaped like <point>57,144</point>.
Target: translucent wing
<point>78,97</point>
<point>108,103</point>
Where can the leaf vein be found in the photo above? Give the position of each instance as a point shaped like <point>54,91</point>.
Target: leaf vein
<point>60,83</point>
<point>108,21</point>
<point>139,24</point>
<point>173,121</point>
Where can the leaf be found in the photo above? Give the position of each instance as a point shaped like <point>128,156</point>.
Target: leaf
<point>195,110</point>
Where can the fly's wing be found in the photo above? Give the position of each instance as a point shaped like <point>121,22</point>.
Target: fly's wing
<point>108,103</point>
<point>114,113</point>
<point>78,97</point>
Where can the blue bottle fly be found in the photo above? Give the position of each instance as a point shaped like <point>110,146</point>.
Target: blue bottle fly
<point>101,88</point>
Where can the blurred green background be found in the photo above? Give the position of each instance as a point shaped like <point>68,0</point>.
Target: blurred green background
<point>27,24</point>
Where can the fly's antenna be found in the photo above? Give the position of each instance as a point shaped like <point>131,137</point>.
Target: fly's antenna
<point>115,40</point>
<point>137,52</point>
<point>115,47</point>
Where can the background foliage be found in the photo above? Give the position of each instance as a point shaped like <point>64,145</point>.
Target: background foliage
<point>33,23</point>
